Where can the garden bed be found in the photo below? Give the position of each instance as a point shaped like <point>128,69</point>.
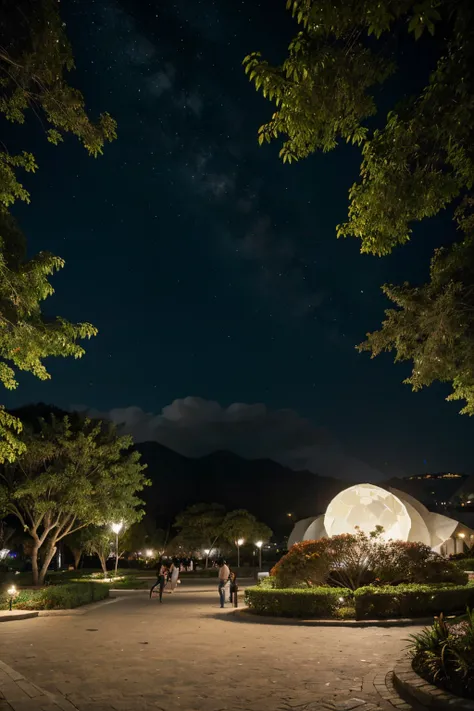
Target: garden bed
<point>443,655</point>
<point>367,603</point>
<point>57,597</point>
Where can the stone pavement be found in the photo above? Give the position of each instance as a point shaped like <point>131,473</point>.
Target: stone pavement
<point>187,654</point>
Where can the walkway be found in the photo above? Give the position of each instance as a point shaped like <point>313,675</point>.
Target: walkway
<point>188,655</point>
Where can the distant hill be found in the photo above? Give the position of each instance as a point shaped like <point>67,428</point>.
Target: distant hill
<point>264,487</point>
<point>267,489</point>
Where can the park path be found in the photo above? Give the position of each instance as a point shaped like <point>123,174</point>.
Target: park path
<point>187,654</point>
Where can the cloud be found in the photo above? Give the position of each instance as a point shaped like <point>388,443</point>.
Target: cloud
<point>161,81</point>
<point>195,427</point>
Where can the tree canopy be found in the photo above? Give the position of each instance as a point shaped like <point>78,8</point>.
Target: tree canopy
<point>35,56</point>
<point>70,477</point>
<point>420,161</point>
<point>205,526</point>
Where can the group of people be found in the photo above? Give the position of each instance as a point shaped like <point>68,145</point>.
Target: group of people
<point>167,579</point>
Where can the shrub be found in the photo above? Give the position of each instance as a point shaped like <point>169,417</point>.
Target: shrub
<point>411,600</point>
<point>464,564</point>
<point>345,560</point>
<point>57,597</point>
<point>444,655</point>
<point>356,560</point>
<point>410,562</point>
<point>318,602</point>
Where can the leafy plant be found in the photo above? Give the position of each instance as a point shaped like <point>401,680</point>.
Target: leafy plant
<point>444,654</point>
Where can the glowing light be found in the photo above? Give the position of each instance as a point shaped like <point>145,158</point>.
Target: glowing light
<point>12,591</point>
<point>149,553</point>
<point>240,542</point>
<point>117,527</point>
<point>207,551</point>
<point>341,599</point>
<point>259,544</point>
<point>462,535</point>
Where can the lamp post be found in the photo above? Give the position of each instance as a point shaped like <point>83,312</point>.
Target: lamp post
<point>240,542</point>
<point>116,528</point>
<point>12,592</point>
<point>259,545</point>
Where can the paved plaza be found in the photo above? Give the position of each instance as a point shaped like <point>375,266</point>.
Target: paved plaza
<point>187,654</point>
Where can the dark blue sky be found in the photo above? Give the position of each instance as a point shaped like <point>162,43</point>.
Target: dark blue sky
<point>210,268</point>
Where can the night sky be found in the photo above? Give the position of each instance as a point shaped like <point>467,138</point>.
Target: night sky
<point>212,270</point>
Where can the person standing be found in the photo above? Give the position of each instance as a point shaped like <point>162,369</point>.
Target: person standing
<point>223,579</point>
<point>174,570</point>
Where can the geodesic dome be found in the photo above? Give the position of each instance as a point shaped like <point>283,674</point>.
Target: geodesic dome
<point>366,506</point>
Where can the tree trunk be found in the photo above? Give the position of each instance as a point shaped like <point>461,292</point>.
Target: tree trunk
<point>103,563</point>
<point>77,558</point>
<point>49,555</point>
<point>34,564</point>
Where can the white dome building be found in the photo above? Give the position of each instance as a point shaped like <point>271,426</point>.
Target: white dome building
<point>402,518</point>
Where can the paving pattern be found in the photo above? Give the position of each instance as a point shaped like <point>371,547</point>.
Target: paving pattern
<point>187,654</point>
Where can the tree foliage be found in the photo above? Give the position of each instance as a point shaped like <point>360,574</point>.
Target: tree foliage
<point>205,526</point>
<point>199,527</point>
<point>35,56</point>
<point>413,166</point>
<point>69,478</point>
<point>242,524</point>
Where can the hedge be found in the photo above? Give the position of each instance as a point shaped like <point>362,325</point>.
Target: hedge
<point>464,564</point>
<point>297,602</point>
<point>412,600</point>
<point>56,597</point>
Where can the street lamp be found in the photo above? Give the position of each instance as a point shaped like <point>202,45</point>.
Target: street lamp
<point>259,545</point>
<point>12,592</point>
<point>240,542</point>
<point>116,528</point>
<point>149,553</point>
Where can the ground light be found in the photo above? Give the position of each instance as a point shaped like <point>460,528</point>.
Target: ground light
<point>240,542</point>
<point>259,545</point>
<point>116,528</point>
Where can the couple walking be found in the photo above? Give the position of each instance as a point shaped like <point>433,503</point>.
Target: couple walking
<point>164,575</point>
<point>227,583</point>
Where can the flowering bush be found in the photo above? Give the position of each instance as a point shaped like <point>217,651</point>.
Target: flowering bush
<point>358,559</point>
<point>346,560</point>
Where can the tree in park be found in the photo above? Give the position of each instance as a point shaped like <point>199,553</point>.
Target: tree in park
<point>418,162</point>
<point>69,477</point>
<point>240,524</point>
<point>35,56</point>
<point>99,541</point>
<point>200,527</point>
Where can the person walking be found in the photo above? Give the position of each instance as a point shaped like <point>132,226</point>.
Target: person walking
<point>161,575</point>
<point>223,579</point>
